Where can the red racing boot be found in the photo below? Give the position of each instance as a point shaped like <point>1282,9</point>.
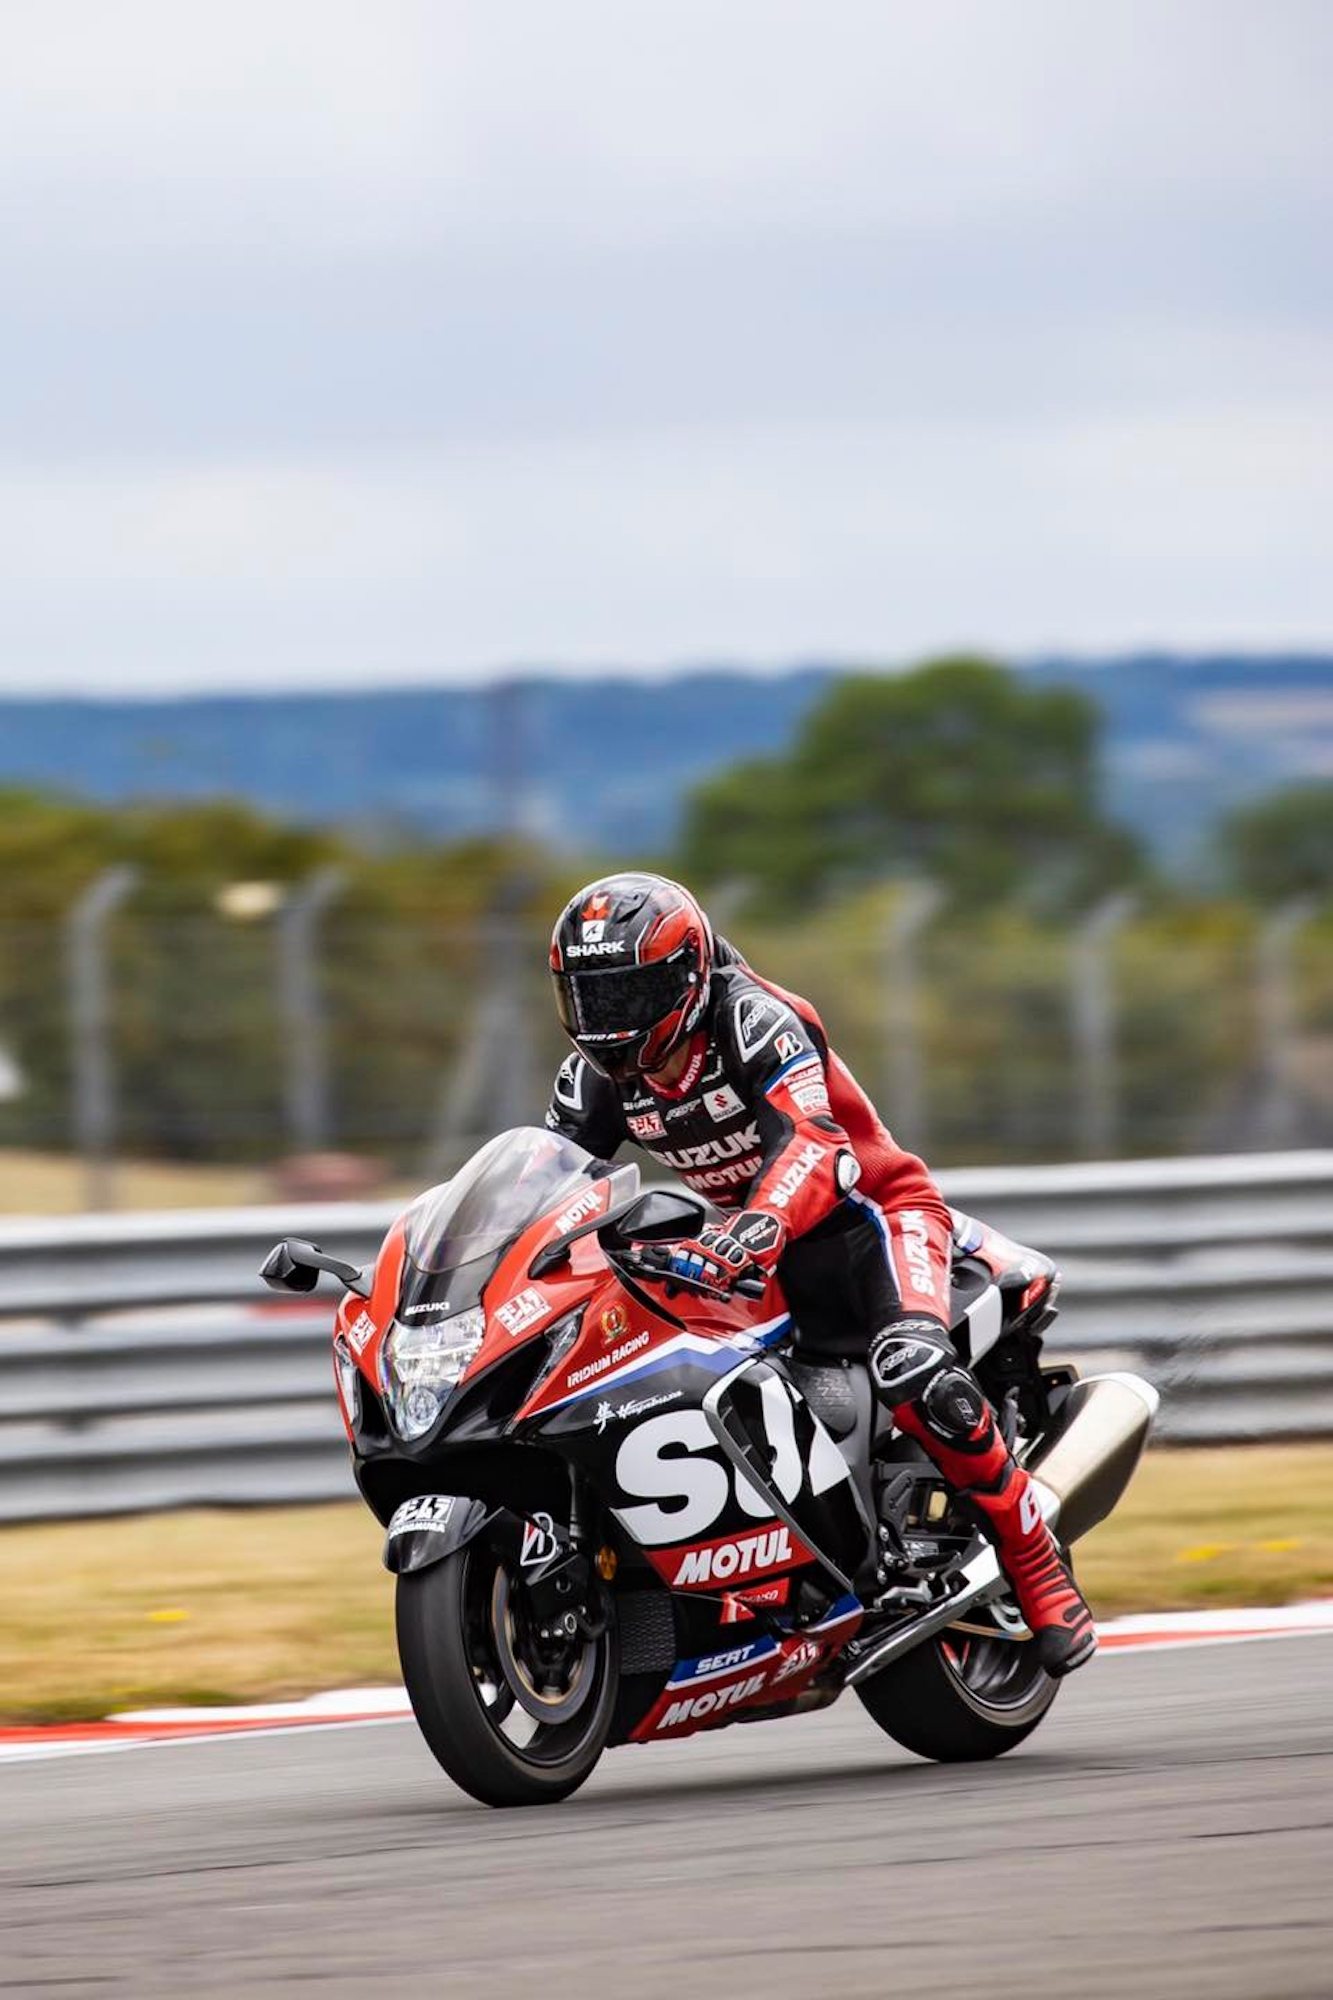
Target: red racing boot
<point>956,1426</point>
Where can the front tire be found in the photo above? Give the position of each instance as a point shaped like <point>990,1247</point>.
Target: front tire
<point>959,1698</point>
<point>513,1723</point>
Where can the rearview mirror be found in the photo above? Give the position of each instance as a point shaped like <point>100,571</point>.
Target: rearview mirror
<point>660,1216</point>
<point>294,1266</point>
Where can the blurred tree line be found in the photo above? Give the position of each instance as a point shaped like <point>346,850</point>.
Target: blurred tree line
<point>957,774</point>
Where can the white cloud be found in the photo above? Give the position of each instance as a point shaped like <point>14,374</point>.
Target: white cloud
<point>427,338</point>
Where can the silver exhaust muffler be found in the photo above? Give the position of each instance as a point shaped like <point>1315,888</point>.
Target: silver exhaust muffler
<point>1083,1470</point>
<point>1080,1474</point>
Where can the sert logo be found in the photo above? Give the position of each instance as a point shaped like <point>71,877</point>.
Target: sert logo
<point>722,1561</point>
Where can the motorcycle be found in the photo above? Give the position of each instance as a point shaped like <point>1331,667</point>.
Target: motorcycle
<point>620,1511</point>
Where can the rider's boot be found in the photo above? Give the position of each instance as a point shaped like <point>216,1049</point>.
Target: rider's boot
<point>951,1419</point>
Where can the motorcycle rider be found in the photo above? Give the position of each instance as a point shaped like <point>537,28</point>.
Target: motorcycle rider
<point>730,1081</point>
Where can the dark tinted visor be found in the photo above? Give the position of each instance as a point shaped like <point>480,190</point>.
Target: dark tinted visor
<point>622,999</point>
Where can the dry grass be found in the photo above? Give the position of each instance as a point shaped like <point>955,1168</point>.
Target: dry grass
<point>53,1184</point>
<point>214,1606</point>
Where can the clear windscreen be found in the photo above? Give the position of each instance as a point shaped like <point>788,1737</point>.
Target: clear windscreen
<point>463,1225</point>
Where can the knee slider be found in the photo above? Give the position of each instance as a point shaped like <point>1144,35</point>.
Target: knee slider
<point>953,1406</point>
<point>906,1356</point>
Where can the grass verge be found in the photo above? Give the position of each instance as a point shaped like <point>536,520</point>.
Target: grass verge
<point>216,1606</point>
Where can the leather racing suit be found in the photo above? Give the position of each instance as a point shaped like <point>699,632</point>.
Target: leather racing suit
<point>765,1116</point>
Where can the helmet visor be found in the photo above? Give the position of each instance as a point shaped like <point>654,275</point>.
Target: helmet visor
<point>622,1000</point>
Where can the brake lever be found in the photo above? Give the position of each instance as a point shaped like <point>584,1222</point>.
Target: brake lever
<point>651,1262</point>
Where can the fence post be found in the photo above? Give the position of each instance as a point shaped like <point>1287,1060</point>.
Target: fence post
<point>306,1077</point>
<point>92,1067</point>
<point>1093,1010</point>
<point>1279,1105</point>
<point>913,907</point>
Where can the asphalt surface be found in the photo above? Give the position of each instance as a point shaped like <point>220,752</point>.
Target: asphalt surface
<point>1169,1830</point>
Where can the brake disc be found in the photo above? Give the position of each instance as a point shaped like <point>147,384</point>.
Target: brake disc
<point>541,1702</point>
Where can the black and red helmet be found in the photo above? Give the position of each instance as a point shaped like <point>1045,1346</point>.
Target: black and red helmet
<point>631,957</point>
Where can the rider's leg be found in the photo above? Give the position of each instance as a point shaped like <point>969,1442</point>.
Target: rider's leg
<point>935,1400</point>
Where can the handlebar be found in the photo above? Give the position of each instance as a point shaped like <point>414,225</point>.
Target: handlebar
<point>651,1260</point>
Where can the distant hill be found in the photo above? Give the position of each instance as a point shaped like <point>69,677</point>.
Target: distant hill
<point>605,763</point>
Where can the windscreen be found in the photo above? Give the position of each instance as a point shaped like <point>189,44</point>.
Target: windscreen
<point>504,1187</point>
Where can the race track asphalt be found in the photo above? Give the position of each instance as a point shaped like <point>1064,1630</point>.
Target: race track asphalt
<point>1168,1831</point>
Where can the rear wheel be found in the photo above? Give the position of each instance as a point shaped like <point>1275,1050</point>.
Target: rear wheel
<point>961,1696</point>
<point>515,1717</point>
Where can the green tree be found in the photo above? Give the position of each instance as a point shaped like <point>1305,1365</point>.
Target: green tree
<point>959,771</point>
<point>1283,845</point>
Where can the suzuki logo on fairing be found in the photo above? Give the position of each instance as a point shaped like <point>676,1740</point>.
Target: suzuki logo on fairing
<point>738,1558</point>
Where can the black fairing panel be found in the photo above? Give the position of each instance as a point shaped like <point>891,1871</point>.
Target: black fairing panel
<point>429,1527</point>
<point>788,1452</point>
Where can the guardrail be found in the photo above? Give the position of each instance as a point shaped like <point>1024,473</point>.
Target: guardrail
<point>142,1365</point>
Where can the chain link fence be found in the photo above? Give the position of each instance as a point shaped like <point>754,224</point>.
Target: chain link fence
<point>984,1036</point>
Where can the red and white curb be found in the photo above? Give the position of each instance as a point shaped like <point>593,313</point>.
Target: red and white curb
<point>346,1708</point>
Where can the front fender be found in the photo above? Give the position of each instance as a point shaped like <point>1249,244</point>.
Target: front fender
<point>429,1527</point>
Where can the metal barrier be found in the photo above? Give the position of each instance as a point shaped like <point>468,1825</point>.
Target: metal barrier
<point>142,1365</point>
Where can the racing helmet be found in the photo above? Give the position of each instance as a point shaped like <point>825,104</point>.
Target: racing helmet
<point>631,957</point>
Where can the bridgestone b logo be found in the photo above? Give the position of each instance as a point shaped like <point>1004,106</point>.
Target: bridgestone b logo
<point>770,1549</point>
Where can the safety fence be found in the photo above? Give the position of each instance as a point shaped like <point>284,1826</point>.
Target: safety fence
<point>144,1366</point>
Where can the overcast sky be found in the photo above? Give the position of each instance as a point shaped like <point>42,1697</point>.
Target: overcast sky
<point>376,341</point>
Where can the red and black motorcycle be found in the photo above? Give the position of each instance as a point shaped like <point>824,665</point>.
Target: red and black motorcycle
<point>619,1511</point>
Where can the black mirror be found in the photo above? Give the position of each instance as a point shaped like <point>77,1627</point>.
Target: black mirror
<point>661,1216</point>
<point>294,1266</point>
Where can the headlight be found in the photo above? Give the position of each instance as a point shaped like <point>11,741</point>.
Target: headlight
<point>421,1364</point>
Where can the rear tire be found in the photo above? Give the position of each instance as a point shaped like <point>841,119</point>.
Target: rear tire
<point>468,1685</point>
<point>957,1699</point>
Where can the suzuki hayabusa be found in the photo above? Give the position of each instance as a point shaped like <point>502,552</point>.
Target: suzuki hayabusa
<point>619,1511</point>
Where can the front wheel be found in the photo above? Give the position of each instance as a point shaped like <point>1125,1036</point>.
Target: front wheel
<point>961,1696</point>
<point>516,1718</point>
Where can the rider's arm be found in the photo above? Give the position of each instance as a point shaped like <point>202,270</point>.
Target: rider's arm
<point>585,1107</point>
<point>808,1162</point>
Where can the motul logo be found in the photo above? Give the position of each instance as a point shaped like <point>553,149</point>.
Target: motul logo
<point>725,1560</point>
<point>701,1705</point>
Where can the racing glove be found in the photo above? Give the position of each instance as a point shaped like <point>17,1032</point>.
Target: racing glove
<point>722,1252</point>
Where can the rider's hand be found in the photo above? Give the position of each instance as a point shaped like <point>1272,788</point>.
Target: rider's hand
<point>719,1255</point>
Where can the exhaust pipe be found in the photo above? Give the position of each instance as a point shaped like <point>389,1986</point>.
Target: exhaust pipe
<point>1084,1469</point>
<point>1079,1474</point>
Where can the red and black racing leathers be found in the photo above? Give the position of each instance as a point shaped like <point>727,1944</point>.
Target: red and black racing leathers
<point>765,1117</point>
